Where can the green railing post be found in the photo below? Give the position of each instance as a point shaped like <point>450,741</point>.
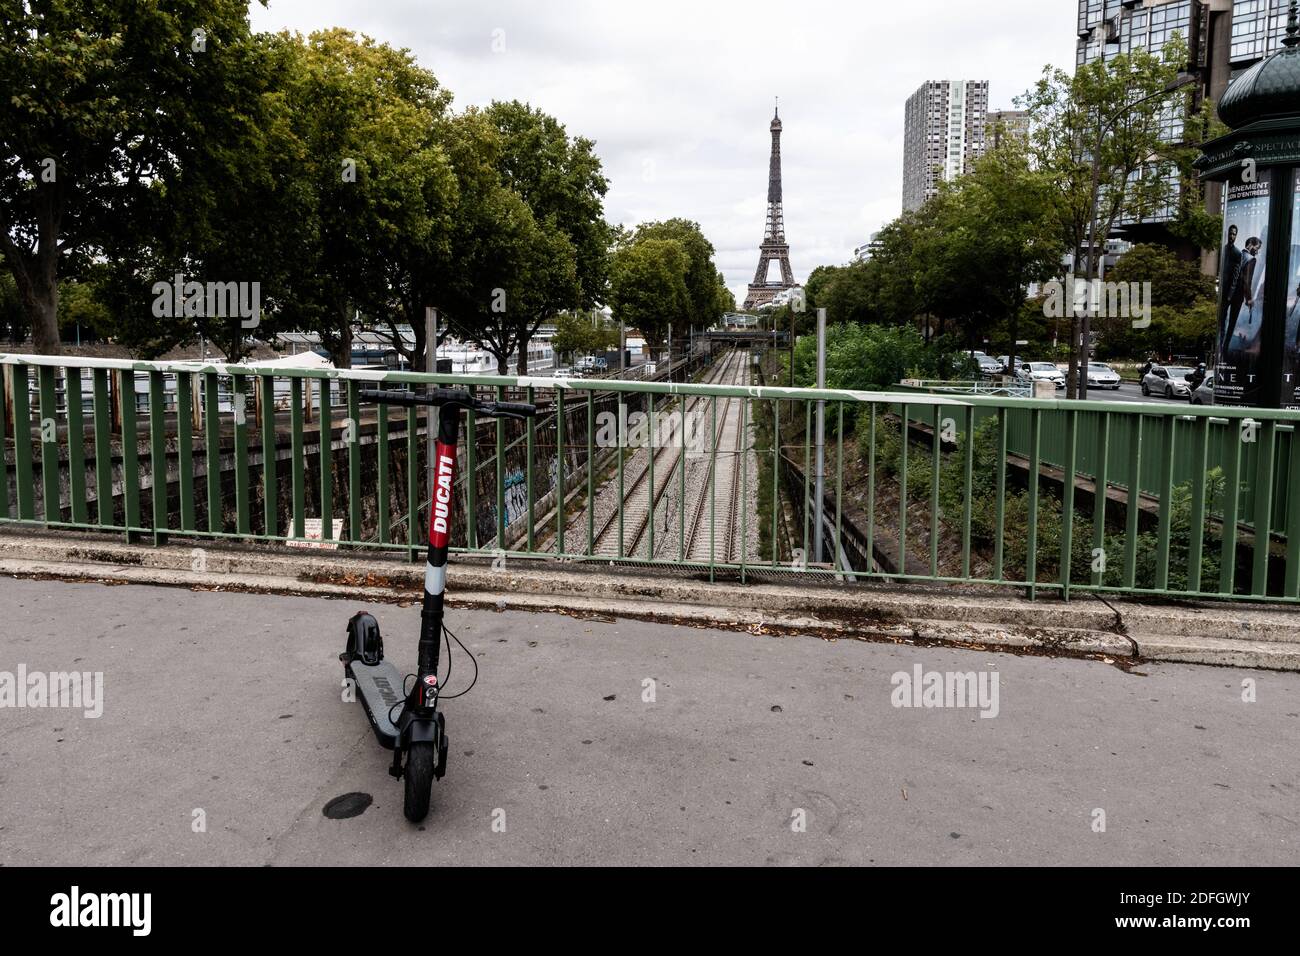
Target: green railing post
<point>559,471</point>
<point>76,446</point>
<point>1166,504</point>
<point>905,432</point>
<point>967,492</point>
<point>936,461</point>
<point>501,478</point>
<point>1264,464</point>
<point>871,490</point>
<point>49,427</point>
<point>239,387</point>
<point>531,440</point>
<point>23,444</point>
<point>298,465</point>
<point>1000,506</point>
<point>158,455</point>
<point>212,449</point>
<point>185,448</point>
<point>1099,498</point>
<point>1292,585</point>
<point>381,494</point>
<point>1133,506</point>
<point>1031,556</point>
<point>414,494</point>
<point>326,447</point>
<point>1231,497</point>
<point>130,453</point>
<point>591,472</point>
<point>104,509</point>
<point>1067,500</point>
<point>270,483</point>
<point>1196,526</point>
<point>352,432</point>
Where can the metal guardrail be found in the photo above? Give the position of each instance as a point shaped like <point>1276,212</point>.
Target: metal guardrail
<point>981,502</point>
<point>971,387</point>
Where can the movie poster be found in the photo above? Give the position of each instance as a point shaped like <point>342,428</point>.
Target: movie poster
<point>1291,366</point>
<point>1241,293</point>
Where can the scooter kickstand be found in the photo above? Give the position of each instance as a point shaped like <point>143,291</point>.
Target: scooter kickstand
<point>396,769</point>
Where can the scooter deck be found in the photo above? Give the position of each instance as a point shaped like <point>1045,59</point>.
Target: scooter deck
<point>379,688</point>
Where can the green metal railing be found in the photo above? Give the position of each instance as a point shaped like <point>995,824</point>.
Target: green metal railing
<point>974,489</point>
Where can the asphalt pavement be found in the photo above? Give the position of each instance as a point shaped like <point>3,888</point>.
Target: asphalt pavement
<point>224,736</point>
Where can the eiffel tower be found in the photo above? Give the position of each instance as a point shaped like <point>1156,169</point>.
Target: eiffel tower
<point>774,245</point>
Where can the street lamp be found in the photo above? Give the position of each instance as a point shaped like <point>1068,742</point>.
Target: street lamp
<point>1084,344</point>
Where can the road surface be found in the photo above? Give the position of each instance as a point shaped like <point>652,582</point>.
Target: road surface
<point>223,736</point>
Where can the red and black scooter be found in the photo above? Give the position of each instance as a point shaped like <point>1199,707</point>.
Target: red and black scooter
<point>408,722</point>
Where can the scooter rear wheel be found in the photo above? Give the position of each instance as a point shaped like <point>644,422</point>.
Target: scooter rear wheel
<point>420,762</point>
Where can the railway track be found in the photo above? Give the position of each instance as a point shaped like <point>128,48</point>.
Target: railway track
<point>643,497</point>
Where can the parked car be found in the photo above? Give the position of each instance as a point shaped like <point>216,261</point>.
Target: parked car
<point>1101,375</point>
<point>1041,372</point>
<point>1167,380</point>
<point>1203,394</point>
<point>988,365</point>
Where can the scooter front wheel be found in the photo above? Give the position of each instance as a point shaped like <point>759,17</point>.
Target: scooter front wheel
<point>421,760</point>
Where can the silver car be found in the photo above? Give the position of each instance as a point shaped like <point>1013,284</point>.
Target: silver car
<point>1041,372</point>
<point>1203,394</point>
<point>1167,380</point>
<point>1101,375</point>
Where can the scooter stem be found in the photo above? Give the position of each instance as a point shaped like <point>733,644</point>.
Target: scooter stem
<point>440,515</point>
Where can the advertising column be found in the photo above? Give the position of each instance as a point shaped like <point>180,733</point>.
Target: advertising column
<point>1237,378</point>
<point>1291,366</point>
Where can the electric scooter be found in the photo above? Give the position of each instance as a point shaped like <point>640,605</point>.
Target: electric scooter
<point>408,722</point>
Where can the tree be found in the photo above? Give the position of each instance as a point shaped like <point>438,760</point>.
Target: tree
<point>1099,135</point>
<point>704,305</point>
<point>648,287</point>
<point>984,239</point>
<point>103,102</point>
<point>561,180</point>
<point>380,181</point>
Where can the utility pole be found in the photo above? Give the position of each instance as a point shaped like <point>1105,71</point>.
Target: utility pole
<point>819,476</point>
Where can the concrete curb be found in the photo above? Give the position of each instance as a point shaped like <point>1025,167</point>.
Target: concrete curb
<point>1264,636</point>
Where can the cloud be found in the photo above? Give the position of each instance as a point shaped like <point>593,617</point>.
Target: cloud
<point>678,95</point>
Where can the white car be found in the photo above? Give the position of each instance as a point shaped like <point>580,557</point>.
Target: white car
<point>1041,372</point>
<point>1167,380</point>
<point>1101,375</point>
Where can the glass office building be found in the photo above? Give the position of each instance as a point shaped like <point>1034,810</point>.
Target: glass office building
<point>1223,37</point>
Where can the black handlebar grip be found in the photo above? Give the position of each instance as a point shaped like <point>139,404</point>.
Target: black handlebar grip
<point>388,396</point>
<point>517,409</point>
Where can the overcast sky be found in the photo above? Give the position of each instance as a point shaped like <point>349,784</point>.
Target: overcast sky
<point>678,95</point>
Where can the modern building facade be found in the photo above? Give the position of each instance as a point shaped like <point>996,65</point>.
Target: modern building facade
<point>1001,124</point>
<point>1224,38</point>
<point>943,134</point>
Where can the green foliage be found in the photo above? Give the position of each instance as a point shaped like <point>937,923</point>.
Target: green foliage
<point>872,357</point>
<point>104,105</point>
<point>1050,520</point>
